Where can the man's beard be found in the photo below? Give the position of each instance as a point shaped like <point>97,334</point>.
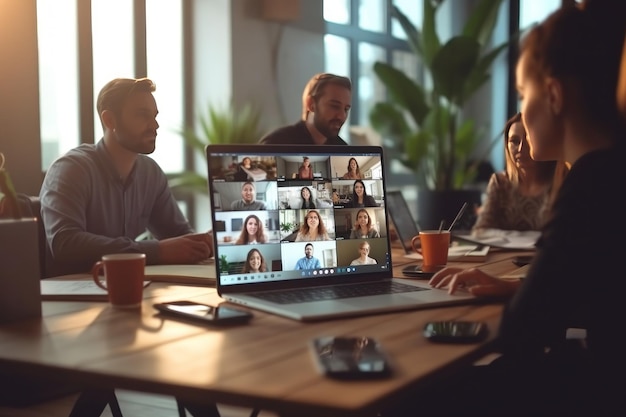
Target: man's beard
<point>324,129</point>
<point>129,142</point>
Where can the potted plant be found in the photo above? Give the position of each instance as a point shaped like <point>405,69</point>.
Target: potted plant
<point>425,123</point>
<point>229,124</point>
<point>224,264</point>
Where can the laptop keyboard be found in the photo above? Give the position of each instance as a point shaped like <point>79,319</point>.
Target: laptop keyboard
<point>306,295</point>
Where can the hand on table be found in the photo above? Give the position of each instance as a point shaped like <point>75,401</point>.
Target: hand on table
<point>187,249</point>
<point>473,280</point>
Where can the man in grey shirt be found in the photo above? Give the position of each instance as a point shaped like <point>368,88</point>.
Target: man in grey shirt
<point>98,198</point>
<point>248,199</point>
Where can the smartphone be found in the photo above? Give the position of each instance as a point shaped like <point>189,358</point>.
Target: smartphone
<point>421,271</point>
<point>203,313</point>
<point>455,331</point>
<point>350,357</point>
<point>522,260</point>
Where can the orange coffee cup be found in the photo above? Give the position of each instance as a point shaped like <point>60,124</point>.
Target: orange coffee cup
<point>124,275</point>
<point>433,246</point>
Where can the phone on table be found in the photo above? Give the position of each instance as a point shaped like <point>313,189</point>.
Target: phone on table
<point>203,313</point>
<point>454,331</point>
<point>350,357</point>
<point>522,260</point>
<point>421,271</point>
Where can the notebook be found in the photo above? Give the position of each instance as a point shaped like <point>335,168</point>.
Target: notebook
<point>308,263</point>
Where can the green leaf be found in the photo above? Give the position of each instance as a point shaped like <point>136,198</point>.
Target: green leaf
<point>219,124</point>
<point>482,21</point>
<point>414,37</point>
<point>453,65</point>
<point>388,120</point>
<point>480,72</point>
<point>430,38</point>
<point>403,91</point>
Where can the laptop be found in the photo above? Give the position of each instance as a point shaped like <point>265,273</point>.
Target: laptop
<point>400,214</point>
<point>306,264</point>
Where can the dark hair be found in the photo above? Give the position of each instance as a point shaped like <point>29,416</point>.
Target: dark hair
<point>582,47</point>
<point>115,92</point>
<point>315,88</point>
<point>355,199</point>
<point>262,267</point>
<point>311,204</point>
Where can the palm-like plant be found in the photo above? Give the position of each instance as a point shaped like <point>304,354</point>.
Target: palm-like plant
<point>229,124</point>
<point>434,140</point>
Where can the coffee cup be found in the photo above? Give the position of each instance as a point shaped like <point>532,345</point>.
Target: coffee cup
<point>433,246</point>
<point>124,275</point>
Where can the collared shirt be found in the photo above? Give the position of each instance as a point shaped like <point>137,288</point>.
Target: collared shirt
<point>308,263</point>
<point>88,211</point>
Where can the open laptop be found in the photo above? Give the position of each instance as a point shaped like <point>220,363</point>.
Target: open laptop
<point>400,214</point>
<point>299,278</point>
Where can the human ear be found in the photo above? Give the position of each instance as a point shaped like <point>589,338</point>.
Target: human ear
<point>310,104</point>
<point>108,119</point>
<point>554,91</point>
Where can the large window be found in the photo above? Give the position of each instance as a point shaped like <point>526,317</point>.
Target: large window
<point>359,33</point>
<point>88,43</point>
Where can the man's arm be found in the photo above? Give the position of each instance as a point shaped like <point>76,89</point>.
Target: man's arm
<point>77,209</point>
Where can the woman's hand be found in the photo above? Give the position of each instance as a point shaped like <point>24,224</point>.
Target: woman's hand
<point>473,280</point>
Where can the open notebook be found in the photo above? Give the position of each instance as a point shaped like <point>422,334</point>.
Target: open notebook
<point>265,257</point>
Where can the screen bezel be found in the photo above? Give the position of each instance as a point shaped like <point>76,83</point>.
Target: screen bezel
<point>363,274</point>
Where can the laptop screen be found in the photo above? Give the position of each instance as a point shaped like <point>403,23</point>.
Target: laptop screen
<point>293,213</point>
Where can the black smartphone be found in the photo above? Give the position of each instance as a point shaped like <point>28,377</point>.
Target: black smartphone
<point>522,260</point>
<point>455,331</point>
<point>350,357</point>
<point>421,271</point>
<point>203,313</point>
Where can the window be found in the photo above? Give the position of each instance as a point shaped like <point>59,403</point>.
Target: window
<point>117,49</point>
<point>359,33</point>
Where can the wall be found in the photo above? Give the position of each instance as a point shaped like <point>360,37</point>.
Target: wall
<point>19,94</point>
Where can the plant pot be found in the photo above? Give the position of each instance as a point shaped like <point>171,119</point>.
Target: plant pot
<point>434,206</point>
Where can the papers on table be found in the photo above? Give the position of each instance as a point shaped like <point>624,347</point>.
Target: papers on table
<point>82,287</point>
<point>507,239</point>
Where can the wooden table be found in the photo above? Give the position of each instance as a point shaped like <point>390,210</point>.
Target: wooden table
<point>266,364</point>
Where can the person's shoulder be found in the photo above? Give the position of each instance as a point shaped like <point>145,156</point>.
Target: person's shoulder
<point>286,134</point>
<point>83,158</point>
<point>336,141</point>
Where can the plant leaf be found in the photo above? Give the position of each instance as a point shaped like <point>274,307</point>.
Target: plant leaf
<point>403,91</point>
<point>453,65</point>
<point>388,120</point>
<point>482,21</point>
<point>430,38</point>
<point>414,36</point>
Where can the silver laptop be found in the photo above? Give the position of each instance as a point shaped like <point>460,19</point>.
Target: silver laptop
<point>307,263</point>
